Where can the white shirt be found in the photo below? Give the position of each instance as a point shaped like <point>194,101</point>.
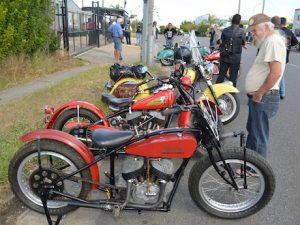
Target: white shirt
<point>272,49</point>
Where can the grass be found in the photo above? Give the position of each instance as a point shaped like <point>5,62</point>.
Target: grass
<point>27,114</point>
<point>21,69</point>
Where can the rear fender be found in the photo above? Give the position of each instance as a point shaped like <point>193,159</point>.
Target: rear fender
<point>219,90</point>
<point>143,94</point>
<point>72,105</point>
<point>70,141</point>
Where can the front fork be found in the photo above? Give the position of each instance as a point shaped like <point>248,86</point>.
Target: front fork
<point>227,167</point>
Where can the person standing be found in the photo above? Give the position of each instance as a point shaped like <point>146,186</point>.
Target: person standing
<point>127,31</point>
<point>139,34</point>
<point>170,34</point>
<point>232,40</point>
<point>212,34</point>
<point>154,35</point>
<point>216,38</point>
<point>117,35</point>
<point>262,81</point>
<point>291,41</point>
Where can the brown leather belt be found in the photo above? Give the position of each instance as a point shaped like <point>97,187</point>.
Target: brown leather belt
<point>273,91</point>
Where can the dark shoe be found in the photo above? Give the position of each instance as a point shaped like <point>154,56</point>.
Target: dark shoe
<point>121,58</point>
<point>282,97</point>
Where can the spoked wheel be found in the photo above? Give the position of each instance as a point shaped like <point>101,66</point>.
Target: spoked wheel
<point>57,160</point>
<point>166,62</point>
<point>71,121</point>
<point>229,104</point>
<point>215,196</point>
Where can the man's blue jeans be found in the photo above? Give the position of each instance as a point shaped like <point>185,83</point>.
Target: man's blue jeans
<point>258,122</point>
<point>169,43</point>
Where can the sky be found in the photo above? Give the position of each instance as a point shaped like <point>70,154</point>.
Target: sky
<point>176,11</point>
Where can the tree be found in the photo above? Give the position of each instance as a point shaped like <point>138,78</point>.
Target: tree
<point>117,6</point>
<point>212,19</point>
<point>186,26</point>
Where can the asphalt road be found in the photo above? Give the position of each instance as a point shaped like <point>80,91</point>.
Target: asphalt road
<point>284,155</point>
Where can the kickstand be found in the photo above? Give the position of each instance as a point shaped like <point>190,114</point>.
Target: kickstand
<point>44,192</point>
<point>44,197</point>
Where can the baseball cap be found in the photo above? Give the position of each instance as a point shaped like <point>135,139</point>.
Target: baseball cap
<point>257,19</point>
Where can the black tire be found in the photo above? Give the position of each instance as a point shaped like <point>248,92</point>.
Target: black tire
<point>166,62</point>
<point>204,195</point>
<point>233,99</point>
<point>70,114</point>
<point>24,189</point>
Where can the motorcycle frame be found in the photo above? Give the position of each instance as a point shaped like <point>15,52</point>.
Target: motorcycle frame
<point>100,204</point>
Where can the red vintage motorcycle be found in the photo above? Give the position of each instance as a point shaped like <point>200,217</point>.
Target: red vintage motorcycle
<point>54,172</point>
<point>139,116</point>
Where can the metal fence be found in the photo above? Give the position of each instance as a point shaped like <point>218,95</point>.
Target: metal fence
<point>82,29</point>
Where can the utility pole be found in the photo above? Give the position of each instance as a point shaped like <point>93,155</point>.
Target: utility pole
<point>147,39</point>
<point>239,9</point>
<point>150,43</point>
<point>144,33</point>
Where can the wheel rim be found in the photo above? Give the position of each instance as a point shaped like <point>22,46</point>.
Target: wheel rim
<point>166,62</point>
<point>49,160</point>
<point>223,197</point>
<point>228,106</point>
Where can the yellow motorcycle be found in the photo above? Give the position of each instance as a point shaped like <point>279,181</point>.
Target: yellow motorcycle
<point>223,94</point>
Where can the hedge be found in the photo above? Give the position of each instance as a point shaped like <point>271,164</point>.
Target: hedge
<point>25,26</point>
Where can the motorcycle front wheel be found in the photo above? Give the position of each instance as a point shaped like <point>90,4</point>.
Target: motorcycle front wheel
<point>215,196</point>
<point>229,104</point>
<point>57,160</point>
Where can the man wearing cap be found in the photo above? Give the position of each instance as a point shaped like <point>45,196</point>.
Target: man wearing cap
<point>262,81</point>
<point>117,35</point>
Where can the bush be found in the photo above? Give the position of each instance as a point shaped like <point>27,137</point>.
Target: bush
<point>25,26</point>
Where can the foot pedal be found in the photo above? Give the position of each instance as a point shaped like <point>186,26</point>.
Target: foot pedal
<point>116,211</point>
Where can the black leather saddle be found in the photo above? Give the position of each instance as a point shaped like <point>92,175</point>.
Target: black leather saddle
<point>106,138</point>
<point>118,102</point>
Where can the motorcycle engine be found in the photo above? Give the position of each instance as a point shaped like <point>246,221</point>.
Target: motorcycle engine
<point>146,176</point>
<point>145,121</point>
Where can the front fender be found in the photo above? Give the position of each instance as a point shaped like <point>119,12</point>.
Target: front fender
<point>166,53</point>
<point>69,140</point>
<point>72,105</point>
<point>143,94</point>
<point>219,89</point>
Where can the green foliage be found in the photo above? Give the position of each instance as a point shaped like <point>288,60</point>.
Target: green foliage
<point>162,28</point>
<point>24,26</point>
<point>202,29</point>
<point>186,26</point>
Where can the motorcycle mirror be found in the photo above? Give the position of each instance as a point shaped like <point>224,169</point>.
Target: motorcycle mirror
<point>144,69</point>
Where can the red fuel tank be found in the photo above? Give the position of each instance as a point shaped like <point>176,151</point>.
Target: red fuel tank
<point>159,100</point>
<point>213,56</point>
<point>172,145</point>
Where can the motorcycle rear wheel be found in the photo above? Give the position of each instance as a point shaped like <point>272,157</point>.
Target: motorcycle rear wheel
<point>71,116</point>
<point>57,160</point>
<point>213,195</point>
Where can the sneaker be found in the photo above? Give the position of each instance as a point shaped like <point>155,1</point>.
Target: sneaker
<point>282,97</point>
